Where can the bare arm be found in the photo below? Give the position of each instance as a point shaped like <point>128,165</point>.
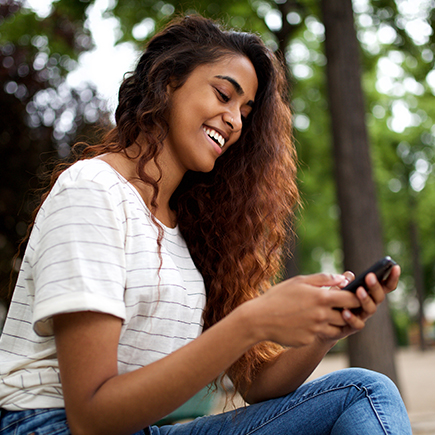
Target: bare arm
<point>295,365</point>
<point>100,401</point>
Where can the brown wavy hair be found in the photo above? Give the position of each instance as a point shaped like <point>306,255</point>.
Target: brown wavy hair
<point>234,218</point>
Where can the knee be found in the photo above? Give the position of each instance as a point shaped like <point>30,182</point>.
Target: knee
<point>371,381</point>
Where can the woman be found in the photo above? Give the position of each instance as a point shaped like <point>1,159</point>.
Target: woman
<point>149,268</point>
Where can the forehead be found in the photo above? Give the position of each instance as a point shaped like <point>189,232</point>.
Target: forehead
<point>230,69</point>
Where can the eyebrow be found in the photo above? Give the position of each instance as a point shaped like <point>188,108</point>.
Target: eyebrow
<point>237,87</point>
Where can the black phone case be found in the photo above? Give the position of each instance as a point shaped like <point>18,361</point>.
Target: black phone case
<point>381,269</point>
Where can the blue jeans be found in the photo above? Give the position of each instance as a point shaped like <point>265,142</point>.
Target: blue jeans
<point>350,401</point>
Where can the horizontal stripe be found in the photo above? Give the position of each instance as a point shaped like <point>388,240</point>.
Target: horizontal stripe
<point>74,242</point>
<point>90,260</point>
<point>77,225</point>
<point>167,319</point>
<point>78,277</point>
<point>160,301</point>
<point>27,339</point>
<point>94,247</point>
<point>151,334</point>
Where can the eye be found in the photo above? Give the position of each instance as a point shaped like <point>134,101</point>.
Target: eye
<point>225,98</point>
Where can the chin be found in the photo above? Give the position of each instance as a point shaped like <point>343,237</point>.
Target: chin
<point>205,166</point>
<point>206,171</point>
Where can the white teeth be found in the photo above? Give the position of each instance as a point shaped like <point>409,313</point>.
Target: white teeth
<point>214,134</point>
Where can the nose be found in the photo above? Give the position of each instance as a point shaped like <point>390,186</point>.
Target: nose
<point>233,121</point>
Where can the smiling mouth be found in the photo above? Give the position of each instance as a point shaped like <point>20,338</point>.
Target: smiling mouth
<point>215,136</point>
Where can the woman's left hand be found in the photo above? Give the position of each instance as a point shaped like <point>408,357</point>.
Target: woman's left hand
<point>295,364</point>
<point>369,300</point>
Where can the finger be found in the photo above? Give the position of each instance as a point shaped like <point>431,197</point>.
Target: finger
<point>325,279</point>
<point>393,279</point>
<point>375,289</point>
<point>333,331</point>
<point>352,320</point>
<point>335,317</point>
<point>349,276</point>
<point>368,305</point>
<point>343,299</point>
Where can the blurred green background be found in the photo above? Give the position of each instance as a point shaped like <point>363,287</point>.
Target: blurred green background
<point>56,89</point>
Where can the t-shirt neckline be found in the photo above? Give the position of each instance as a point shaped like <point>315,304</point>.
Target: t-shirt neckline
<point>171,230</point>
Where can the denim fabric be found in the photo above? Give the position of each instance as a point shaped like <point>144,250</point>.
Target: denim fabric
<point>37,422</point>
<point>347,402</point>
<point>350,401</point>
<point>34,422</point>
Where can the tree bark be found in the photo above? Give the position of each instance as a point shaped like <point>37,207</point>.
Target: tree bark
<point>418,271</point>
<point>361,233</point>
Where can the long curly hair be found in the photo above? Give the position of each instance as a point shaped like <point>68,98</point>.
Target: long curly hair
<point>234,218</point>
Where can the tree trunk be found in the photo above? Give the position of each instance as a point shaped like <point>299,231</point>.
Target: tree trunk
<point>418,272</point>
<point>374,347</point>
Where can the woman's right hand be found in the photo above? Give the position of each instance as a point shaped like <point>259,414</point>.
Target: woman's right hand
<point>100,400</point>
<point>302,309</point>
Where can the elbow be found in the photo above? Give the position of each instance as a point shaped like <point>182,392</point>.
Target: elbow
<point>256,394</point>
<point>251,398</point>
<point>80,427</point>
<point>100,423</point>
<point>83,423</point>
<point>250,395</point>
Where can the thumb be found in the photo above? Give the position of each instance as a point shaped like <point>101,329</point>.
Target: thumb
<point>325,279</point>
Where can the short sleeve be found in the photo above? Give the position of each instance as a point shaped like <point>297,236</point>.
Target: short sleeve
<point>79,253</point>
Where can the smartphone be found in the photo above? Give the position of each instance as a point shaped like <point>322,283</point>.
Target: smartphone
<point>381,269</point>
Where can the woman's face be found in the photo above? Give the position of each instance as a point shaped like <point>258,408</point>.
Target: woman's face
<point>206,113</point>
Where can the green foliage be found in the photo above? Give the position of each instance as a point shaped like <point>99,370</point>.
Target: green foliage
<point>403,151</point>
<point>395,64</point>
<point>318,235</point>
<point>133,12</point>
<point>39,115</point>
<point>62,32</point>
<point>383,30</point>
<point>318,223</point>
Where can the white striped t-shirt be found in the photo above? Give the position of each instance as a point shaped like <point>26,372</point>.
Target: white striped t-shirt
<point>94,248</point>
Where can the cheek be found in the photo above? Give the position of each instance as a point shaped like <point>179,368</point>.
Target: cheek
<point>235,138</point>
<point>233,141</point>
<point>186,116</point>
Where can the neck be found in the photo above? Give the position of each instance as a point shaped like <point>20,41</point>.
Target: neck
<point>126,164</point>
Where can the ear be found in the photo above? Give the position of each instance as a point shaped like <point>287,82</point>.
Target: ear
<point>171,86</point>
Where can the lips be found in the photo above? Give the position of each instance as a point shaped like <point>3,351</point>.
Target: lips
<point>214,135</point>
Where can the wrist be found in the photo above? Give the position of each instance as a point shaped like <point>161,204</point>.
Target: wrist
<point>326,343</point>
<point>248,322</point>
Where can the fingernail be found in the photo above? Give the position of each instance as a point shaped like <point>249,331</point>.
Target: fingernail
<point>363,294</point>
<point>346,314</point>
<point>336,276</point>
<point>371,279</point>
